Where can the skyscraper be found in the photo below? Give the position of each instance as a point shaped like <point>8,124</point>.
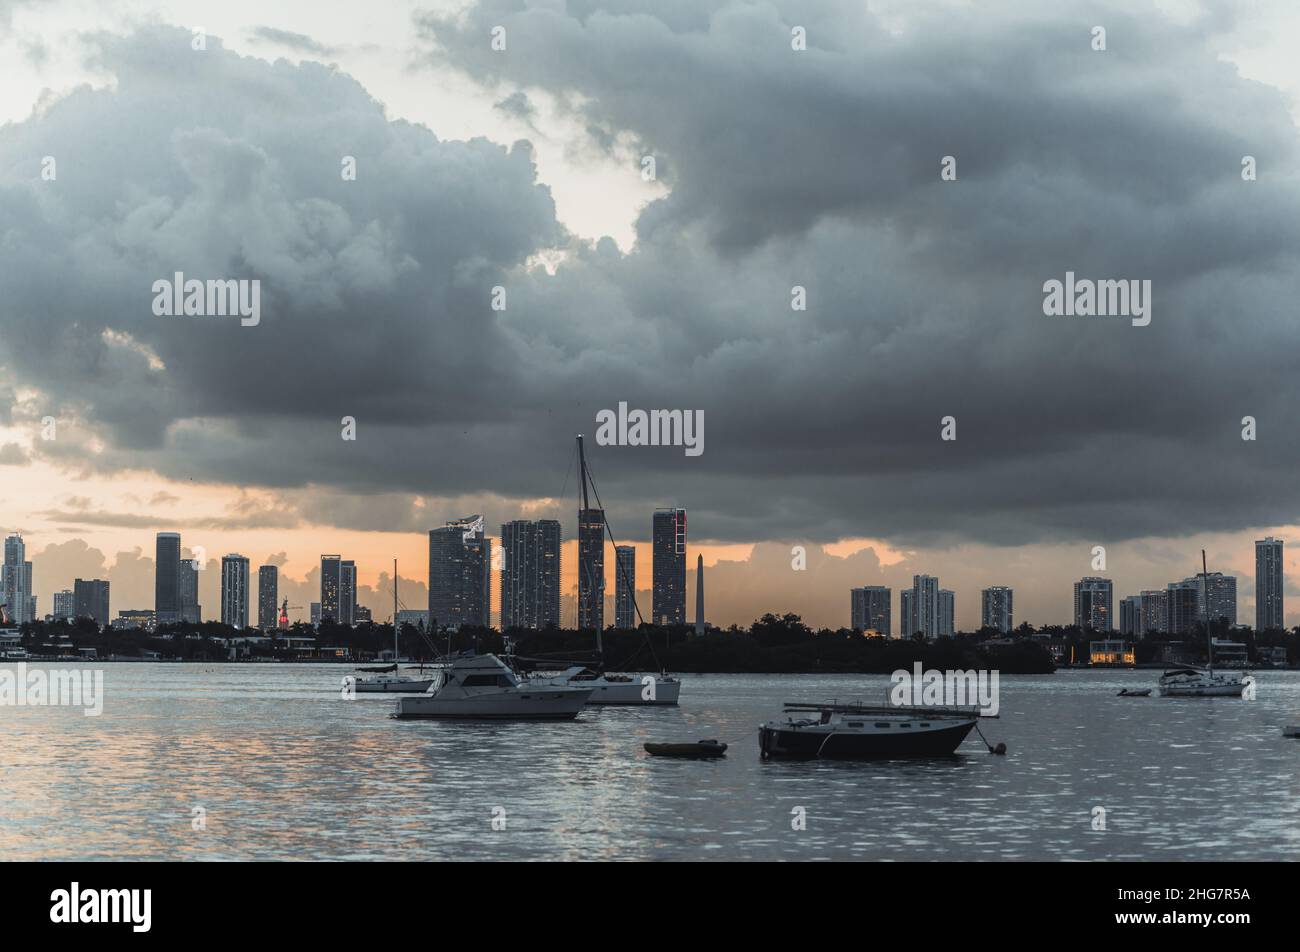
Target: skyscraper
<point>1183,605</point>
<point>1130,615</point>
<point>188,583</point>
<point>869,610</point>
<point>699,594</point>
<point>347,592</point>
<point>668,567</point>
<point>1268,584</point>
<point>331,581</point>
<point>906,617</point>
<point>17,582</point>
<point>1094,600</point>
<point>460,565</point>
<point>1155,611</point>
<point>268,595</point>
<point>530,574</point>
<point>591,569</point>
<point>167,579</point>
<point>996,608</point>
<point>624,586</point>
<point>91,598</point>
<point>925,605</point>
<point>1222,590</point>
<point>234,591</point>
<point>65,605</point>
<point>947,611</point>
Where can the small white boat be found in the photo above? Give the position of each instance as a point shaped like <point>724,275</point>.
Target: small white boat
<point>1193,682</point>
<point>610,688</point>
<point>484,688</point>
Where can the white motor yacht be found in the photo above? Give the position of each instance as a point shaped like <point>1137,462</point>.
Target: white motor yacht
<point>610,688</point>
<point>484,687</point>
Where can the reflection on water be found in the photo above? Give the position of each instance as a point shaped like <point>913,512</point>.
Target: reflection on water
<point>284,768</point>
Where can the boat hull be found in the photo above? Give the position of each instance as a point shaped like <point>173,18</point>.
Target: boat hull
<point>810,742</point>
<point>1211,690</point>
<point>630,693</point>
<point>524,705</point>
<point>392,687</point>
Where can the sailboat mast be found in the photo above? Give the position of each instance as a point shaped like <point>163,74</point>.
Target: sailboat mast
<point>1205,598</point>
<point>394,615</point>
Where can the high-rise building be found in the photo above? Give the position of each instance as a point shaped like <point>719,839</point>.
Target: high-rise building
<point>906,617</point>
<point>362,615</point>
<point>1155,611</point>
<point>668,567</point>
<point>347,592</point>
<point>268,596</point>
<point>65,605</point>
<point>188,585</point>
<point>1130,616</point>
<point>331,581</point>
<point>1094,602</point>
<point>1268,584</point>
<point>996,608</point>
<point>1183,606</point>
<point>91,598</point>
<point>17,582</point>
<point>1222,590</point>
<point>947,612</point>
<point>315,614</point>
<point>167,578</point>
<point>624,586</point>
<point>699,594</point>
<point>869,610</point>
<point>530,574</point>
<point>234,590</point>
<point>460,566</point>
<point>591,569</point>
<point>925,605</point>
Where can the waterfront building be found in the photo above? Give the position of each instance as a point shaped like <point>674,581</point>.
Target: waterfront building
<point>234,590</point>
<point>624,586</point>
<point>869,610</point>
<point>91,599</point>
<point>460,567</point>
<point>268,597</point>
<point>996,608</point>
<point>591,569</point>
<point>1094,603</point>
<point>668,567</point>
<point>167,578</point>
<point>1268,585</point>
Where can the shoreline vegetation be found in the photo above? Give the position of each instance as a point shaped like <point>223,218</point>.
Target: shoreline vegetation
<point>771,645</point>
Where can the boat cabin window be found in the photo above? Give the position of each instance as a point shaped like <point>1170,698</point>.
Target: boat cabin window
<point>853,723</point>
<point>904,725</point>
<point>485,681</point>
<point>882,723</point>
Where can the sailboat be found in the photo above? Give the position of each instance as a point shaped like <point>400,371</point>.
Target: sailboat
<point>1193,682</point>
<point>392,683</point>
<point>607,688</point>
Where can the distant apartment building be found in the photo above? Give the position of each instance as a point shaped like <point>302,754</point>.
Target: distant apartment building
<point>331,581</point>
<point>314,614</point>
<point>16,582</point>
<point>268,596</point>
<point>925,605</point>
<point>996,608</point>
<point>234,590</point>
<point>1222,591</point>
<point>1094,600</point>
<point>1268,584</point>
<point>460,567</point>
<point>416,617</point>
<point>1155,611</point>
<point>591,569</point>
<point>906,617</point>
<point>167,578</point>
<point>530,573</point>
<point>625,586</point>
<point>1130,616</point>
<point>347,592</point>
<point>91,598</point>
<point>1183,606</point>
<point>65,605</point>
<point>668,567</point>
<point>947,613</point>
<point>139,618</point>
<point>869,610</point>
<point>188,583</point>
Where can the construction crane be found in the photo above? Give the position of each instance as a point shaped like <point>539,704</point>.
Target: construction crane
<point>284,613</point>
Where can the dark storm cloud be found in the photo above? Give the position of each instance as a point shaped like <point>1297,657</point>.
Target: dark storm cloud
<point>818,168</point>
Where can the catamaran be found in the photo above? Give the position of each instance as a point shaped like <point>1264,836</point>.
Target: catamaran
<point>391,682</point>
<point>1193,682</point>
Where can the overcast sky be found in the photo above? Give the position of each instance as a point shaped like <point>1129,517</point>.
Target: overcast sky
<point>775,168</point>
